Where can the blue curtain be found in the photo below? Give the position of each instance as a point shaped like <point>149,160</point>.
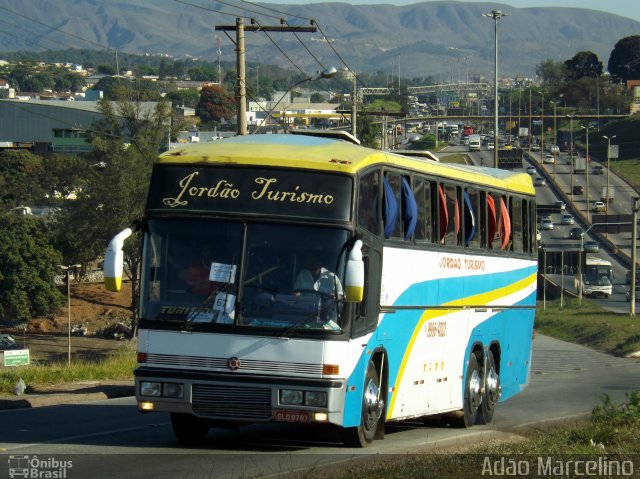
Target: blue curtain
<point>409,209</point>
<point>390,208</point>
<point>470,219</point>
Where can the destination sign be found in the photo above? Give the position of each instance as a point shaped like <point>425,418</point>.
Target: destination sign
<point>259,191</point>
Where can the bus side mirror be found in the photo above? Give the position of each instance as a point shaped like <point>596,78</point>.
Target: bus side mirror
<point>114,260</point>
<point>354,276</point>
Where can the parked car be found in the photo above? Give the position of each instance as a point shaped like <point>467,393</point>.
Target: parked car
<point>532,170</point>
<point>591,246</point>
<point>597,170</point>
<point>627,279</point>
<point>578,190</point>
<point>567,220</point>
<point>599,206</point>
<point>628,295</point>
<point>539,181</point>
<point>546,224</point>
<point>575,233</point>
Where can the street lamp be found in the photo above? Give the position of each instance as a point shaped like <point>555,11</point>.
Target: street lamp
<point>496,15</point>
<point>68,269</point>
<point>571,151</point>
<point>586,128</point>
<point>328,73</point>
<point>608,159</point>
<point>555,137</point>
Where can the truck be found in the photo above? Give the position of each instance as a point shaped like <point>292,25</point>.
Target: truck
<point>579,164</point>
<point>474,142</point>
<point>612,193</point>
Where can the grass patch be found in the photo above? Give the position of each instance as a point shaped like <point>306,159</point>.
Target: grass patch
<point>457,158</point>
<point>613,434</point>
<point>590,325</point>
<point>116,366</point>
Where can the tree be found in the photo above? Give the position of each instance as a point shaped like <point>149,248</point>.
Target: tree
<point>126,141</point>
<point>316,98</point>
<point>624,61</point>
<point>552,73</point>
<point>583,64</point>
<point>28,264</point>
<point>18,171</point>
<point>215,104</point>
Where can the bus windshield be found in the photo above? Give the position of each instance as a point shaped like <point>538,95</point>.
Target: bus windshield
<point>203,274</point>
<point>598,275</point>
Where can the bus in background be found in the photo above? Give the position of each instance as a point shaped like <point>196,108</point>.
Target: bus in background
<point>298,278</point>
<point>597,279</point>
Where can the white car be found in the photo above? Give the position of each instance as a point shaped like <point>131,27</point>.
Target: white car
<point>599,206</point>
<point>531,170</point>
<point>567,220</point>
<point>546,224</point>
<point>549,159</point>
<point>539,182</point>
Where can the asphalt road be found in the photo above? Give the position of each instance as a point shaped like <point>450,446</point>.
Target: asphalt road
<point>112,439</point>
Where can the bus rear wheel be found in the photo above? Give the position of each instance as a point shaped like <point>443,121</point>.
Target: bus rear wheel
<point>187,427</point>
<point>372,409</point>
<point>491,393</point>
<point>472,395</point>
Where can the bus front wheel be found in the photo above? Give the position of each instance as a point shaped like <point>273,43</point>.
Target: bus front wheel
<point>372,409</point>
<point>187,427</point>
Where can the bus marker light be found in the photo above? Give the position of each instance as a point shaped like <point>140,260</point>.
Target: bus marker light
<point>146,406</point>
<point>330,369</point>
<point>142,357</point>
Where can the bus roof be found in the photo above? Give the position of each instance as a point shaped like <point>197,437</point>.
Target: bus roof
<point>318,153</point>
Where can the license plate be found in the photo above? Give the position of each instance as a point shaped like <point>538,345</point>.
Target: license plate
<point>287,415</point>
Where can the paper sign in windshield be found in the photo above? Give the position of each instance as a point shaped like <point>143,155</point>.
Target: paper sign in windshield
<point>222,273</point>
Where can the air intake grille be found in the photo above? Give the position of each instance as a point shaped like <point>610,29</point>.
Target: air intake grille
<point>229,402</point>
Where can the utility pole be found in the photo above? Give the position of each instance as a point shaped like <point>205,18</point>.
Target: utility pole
<point>635,206</point>
<point>241,87</point>
<point>354,106</point>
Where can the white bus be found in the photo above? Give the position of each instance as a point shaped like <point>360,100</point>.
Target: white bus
<point>598,278</point>
<point>427,304</point>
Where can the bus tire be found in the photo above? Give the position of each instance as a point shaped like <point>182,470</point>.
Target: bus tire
<point>187,427</point>
<point>472,394</point>
<point>491,393</point>
<point>372,409</point>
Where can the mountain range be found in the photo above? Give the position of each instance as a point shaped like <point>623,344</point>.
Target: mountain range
<point>447,40</point>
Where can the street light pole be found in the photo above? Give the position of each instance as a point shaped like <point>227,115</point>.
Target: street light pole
<point>328,73</point>
<point>608,159</point>
<point>555,138</point>
<point>586,128</point>
<point>68,269</point>
<point>571,151</point>
<point>496,15</point>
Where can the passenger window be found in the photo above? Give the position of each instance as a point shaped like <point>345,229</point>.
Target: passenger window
<point>368,202</point>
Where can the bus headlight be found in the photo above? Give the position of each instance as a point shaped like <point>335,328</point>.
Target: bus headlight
<point>150,389</point>
<point>173,390</point>
<point>290,397</point>
<point>315,398</point>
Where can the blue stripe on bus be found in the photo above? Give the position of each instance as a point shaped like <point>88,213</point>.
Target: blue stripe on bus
<point>395,331</point>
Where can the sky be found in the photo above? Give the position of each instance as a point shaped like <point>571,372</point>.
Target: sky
<point>625,8</point>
